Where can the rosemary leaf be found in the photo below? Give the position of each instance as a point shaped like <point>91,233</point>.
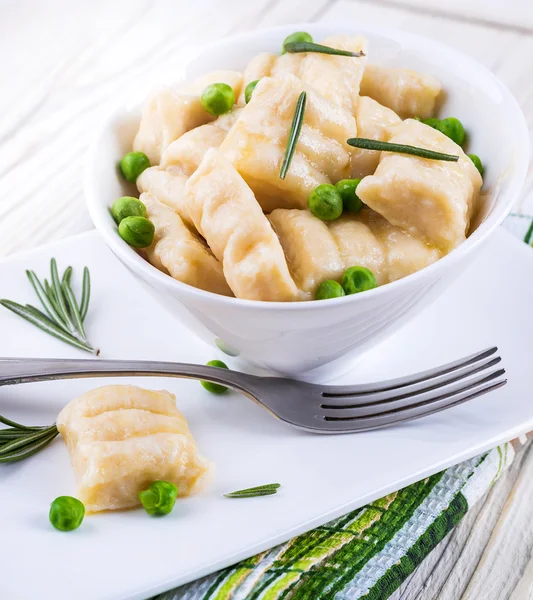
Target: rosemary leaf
<point>45,301</point>
<point>73,307</point>
<point>66,275</point>
<point>260,490</point>
<point>31,449</point>
<point>39,314</point>
<point>20,441</point>
<point>37,318</point>
<point>25,440</point>
<point>10,434</point>
<point>51,295</point>
<point>85,294</point>
<point>312,47</point>
<point>10,423</point>
<point>56,286</point>
<point>251,494</point>
<point>294,134</point>
<point>400,148</point>
<point>266,486</point>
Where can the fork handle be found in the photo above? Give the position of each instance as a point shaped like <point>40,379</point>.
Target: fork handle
<point>25,370</point>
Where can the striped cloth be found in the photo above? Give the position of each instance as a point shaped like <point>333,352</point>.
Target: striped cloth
<point>369,552</point>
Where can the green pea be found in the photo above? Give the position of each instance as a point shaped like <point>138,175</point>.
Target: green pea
<point>159,498</point>
<point>350,200</point>
<point>249,90</point>
<point>453,128</point>
<point>358,279</point>
<point>218,98</point>
<point>133,164</point>
<point>430,122</point>
<point>127,206</point>
<point>325,202</point>
<point>329,289</point>
<point>137,231</point>
<point>477,162</point>
<point>66,513</point>
<point>297,36</point>
<point>215,388</point>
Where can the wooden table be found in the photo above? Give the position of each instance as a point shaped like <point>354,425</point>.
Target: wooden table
<point>64,64</point>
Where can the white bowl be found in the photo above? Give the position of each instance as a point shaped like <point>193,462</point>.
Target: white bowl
<point>295,338</point>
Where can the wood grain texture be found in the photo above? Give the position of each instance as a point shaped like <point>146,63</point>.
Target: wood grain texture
<point>494,14</point>
<point>65,77</point>
<point>66,64</point>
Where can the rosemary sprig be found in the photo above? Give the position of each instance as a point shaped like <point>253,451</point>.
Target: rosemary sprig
<point>261,490</point>
<point>64,317</point>
<point>312,47</point>
<point>400,148</point>
<point>20,441</point>
<point>294,134</point>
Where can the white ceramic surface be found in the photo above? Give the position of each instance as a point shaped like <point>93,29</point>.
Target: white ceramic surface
<point>296,338</point>
<point>119,556</point>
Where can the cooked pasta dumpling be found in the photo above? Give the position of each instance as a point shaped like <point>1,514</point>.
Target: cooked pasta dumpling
<point>166,115</point>
<point>359,245</point>
<point>167,185</point>
<point>433,199</point>
<point>311,250</point>
<point>373,122</point>
<point>403,253</point>
<point>121,438</point>
<point>317,251</point>
<point>257,142</point>
<point>408,93</point>
<point>187,151</point>
<point>260,66</point>
<point>226,214</point>
<point>179,252</point>
<point>334,77</point>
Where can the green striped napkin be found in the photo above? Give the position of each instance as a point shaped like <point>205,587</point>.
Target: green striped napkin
<point>369,552</point>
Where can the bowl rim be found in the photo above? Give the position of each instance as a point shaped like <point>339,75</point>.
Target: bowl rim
<point>105,225</point>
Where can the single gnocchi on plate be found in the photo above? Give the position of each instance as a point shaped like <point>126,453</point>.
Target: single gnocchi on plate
<point>311,174</point>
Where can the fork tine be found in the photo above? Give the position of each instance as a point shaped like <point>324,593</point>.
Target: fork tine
<point>408,414</point>
<point>367,393</point>
<point>405,401</point>
<point>441,384</point>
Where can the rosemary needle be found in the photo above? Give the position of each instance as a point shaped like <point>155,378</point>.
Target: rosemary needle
<point>294,134</point>
<point>312,47</point>
<point>73,306</point>
<point>261,490</point>
<point>85,293</point>
<point>20,441</point>
<point>37,318</point>
<point>400,148</point>
<point>61,301</point>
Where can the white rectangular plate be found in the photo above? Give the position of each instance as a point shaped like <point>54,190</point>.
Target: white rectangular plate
<point>130,555</point>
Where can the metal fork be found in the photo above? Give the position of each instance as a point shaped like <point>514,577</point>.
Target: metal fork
<point>316,408</point>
